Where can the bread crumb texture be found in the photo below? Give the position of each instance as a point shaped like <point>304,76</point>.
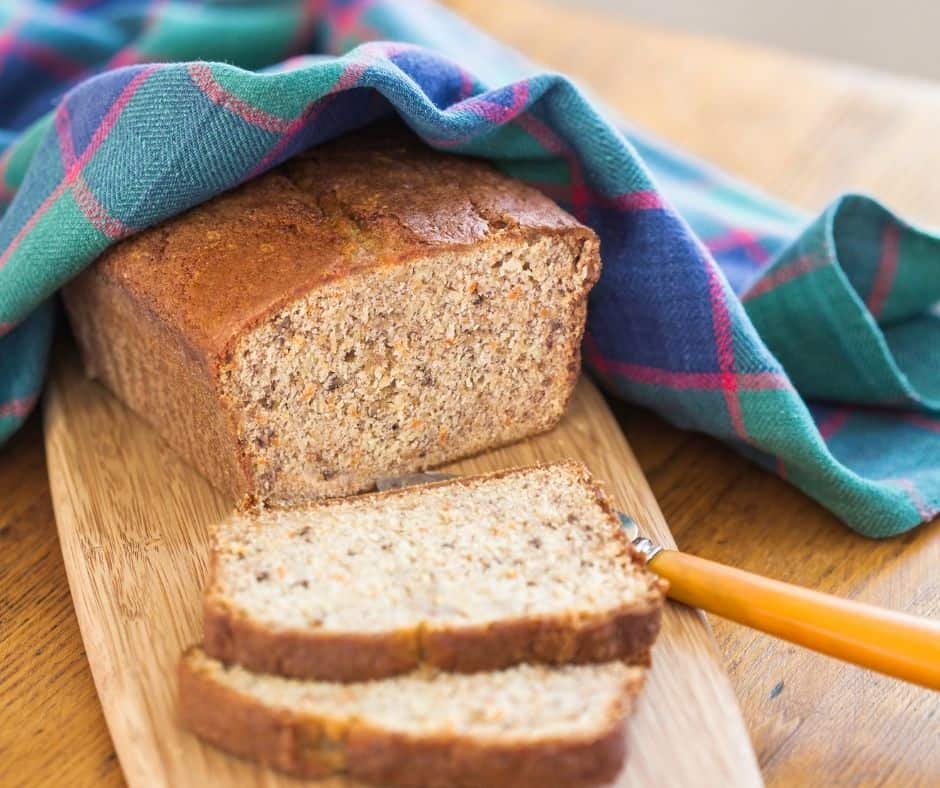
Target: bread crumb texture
<point>405,367</point>
<point>520,704</point>
<point>526,544</point>
<point>368,308</point>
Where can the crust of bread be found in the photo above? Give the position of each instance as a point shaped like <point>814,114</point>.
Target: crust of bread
<point>211,272</point>
<point>158,316</point>
<point>626,634</point>
<point>148,362</point>
<point>312,746</point>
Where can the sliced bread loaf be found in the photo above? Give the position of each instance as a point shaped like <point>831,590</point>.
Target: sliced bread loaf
<point>474,574</point>
<point>371,307</point>
<point>525,727</point>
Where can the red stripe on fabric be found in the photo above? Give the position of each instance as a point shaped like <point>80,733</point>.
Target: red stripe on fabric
<point>628,202</point>
<point>48,58</point>
<point>99,136</point>
<point>834,422</point>
<point>704,381</point>
<point>520,97</point>
<point>635,201</point>
<point>576,191</point>
<point>63,127</point>
<point>495,112</point>
<point>125,57</point>
<point>348,21</point>
<point>785,273</point>
<point>95,212</point>
<point>203,78</point>
<point>111,117</point>
<point>348,15</point>
<point>781,468</point>
<point>466,84</point>
<point>75,5</point>
<point>739,239</point>
<point>6,328</point>
<point>542,134</point>
<point>347,79</point>
<point>925,511</point>
<point>18,407</point>
<point>924,422</point>
<point>887,267</point>
<point>6,191</point>
<point>271,156</point>
<point>724,345</point>
<point>8,38</point>
<point>284,141</point>
<point>391,48</point>
<point>579,193</point>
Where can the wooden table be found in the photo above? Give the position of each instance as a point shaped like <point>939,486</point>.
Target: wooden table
<point>800,130</point>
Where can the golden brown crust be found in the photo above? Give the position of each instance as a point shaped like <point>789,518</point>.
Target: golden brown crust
<point>307,746</point>
<point>157,317</point>
<point>388,759</point>
<point>233,638</point>
<point>626,634</point>
<point>126,346</point>
<point>366,200</point>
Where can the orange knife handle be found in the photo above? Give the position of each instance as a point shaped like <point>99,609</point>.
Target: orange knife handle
<point>893,643</point>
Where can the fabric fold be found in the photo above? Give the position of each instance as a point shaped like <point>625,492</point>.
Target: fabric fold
<point>846,308</point>
<point>809,346</point>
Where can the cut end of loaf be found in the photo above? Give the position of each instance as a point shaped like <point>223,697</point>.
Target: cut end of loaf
<point>401,368</point>
<point>520,728</point>
<point>475,574</point>
<point>371,307</point>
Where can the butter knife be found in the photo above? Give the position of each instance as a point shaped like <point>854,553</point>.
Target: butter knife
<point>896,644</point>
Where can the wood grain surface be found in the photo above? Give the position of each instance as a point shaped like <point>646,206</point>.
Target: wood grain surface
<point>133,520</point>
<point>801,130</point>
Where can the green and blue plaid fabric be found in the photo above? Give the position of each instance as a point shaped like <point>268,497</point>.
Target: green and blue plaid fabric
<point>810,345</point>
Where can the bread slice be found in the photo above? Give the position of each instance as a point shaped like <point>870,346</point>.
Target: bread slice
<point>371,307</point>
<point>474,574</point>
<point>525,727</point>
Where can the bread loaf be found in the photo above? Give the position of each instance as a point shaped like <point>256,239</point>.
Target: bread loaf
<point>369,308</point>
<point>526,727</point>
<point>473,574</point>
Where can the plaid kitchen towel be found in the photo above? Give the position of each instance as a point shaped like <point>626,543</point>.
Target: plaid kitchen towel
<point>810,345</point>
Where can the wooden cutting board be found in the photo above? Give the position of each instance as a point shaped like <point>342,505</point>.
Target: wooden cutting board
<point>132,520</point>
